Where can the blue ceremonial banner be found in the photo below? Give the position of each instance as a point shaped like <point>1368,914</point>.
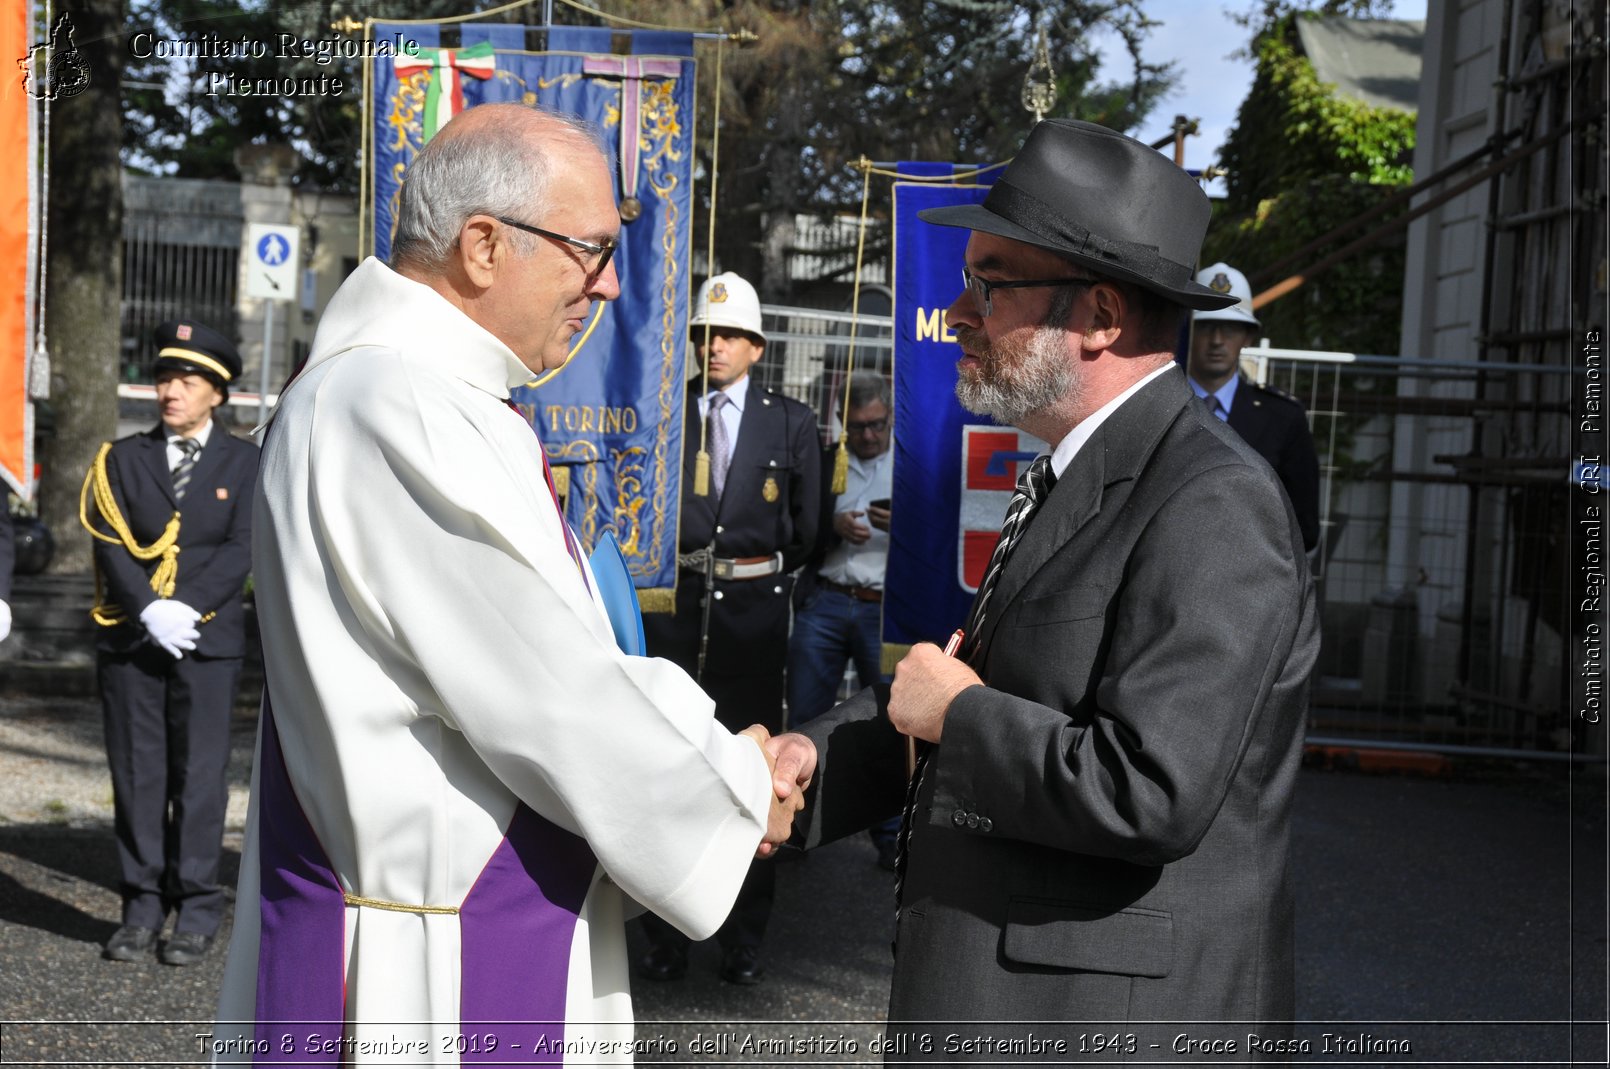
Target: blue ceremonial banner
<point>949,465</point>
<point>611,420</point>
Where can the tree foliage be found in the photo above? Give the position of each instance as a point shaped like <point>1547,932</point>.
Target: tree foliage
<point>832,81</point>
<point>827,82</point>
<point>1301,161</point>
<point>179,121</point>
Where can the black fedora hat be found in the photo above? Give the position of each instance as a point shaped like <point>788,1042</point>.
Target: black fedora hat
<point>188,346</point>
<point>1103,200</point>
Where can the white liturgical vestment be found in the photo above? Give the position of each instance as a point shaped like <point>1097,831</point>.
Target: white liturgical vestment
<point>462,783</point>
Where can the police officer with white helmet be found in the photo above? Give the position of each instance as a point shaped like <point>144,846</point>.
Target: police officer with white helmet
<point>1271,421</point>
<point>739,540</point>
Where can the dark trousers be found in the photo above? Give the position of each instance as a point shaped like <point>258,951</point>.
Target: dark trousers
<point>740,701</point>
<point>830,629</point>
<point>167,744</point>
<point>744,926</point>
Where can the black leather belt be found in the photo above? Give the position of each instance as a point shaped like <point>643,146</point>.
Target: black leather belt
<point>859,593</point>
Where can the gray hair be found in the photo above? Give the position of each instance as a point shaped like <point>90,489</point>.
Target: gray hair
<point>869,386</point>
<point>453,178</point>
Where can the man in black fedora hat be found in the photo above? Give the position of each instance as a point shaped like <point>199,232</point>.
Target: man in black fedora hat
<point>172,526</point>
<point>1096,834</point>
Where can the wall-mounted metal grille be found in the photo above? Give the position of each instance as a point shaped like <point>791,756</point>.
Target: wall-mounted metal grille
<point>181,259</point>
<point>808,351</point>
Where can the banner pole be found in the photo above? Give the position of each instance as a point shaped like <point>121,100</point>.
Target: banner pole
<point>268,360</point>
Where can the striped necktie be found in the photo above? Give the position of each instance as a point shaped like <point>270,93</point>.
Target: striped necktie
<point>1032,487</point>
<point>720,444</point>
<point>189,450</point>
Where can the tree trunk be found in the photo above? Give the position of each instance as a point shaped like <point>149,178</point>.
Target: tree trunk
<point>84,279</point>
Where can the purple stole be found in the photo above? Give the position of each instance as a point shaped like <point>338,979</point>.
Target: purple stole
<point>516,927</point>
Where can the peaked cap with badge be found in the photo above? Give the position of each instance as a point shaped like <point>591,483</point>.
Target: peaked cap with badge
<point>1102,200</point>
<point>191,347</point>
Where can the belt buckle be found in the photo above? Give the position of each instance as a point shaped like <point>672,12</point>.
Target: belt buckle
<point>723,568</point>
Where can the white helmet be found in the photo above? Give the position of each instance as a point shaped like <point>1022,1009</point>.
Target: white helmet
<point>726,300</point>
<point>1222,278</point>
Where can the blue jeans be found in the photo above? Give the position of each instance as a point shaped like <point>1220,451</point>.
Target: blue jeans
<point>829,630</point>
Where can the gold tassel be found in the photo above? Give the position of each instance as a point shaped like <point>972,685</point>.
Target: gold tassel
<point>841,469</point>
<point>701,473</point>
<point>164,580</point>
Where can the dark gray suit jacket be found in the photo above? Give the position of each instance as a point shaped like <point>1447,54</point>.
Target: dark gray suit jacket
<point>1102,836</point>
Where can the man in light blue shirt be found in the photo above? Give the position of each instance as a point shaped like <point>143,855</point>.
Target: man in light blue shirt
<point>842,619</point>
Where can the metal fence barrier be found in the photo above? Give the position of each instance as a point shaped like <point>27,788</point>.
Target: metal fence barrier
<point>1442,566</point>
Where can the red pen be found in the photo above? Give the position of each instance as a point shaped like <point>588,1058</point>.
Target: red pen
<point>952,645</point>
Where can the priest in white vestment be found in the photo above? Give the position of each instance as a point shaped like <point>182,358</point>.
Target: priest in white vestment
<point>462,785</point>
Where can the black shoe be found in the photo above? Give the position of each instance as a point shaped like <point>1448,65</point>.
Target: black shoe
<point>741,965</point>
<point>130,943</point>
<point>886,855</point>
<point>667,961</point>
<point>185,948</point>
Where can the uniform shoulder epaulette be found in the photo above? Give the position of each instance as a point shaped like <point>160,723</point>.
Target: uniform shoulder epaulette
<point>782,398</point>
<point>1275,391</point>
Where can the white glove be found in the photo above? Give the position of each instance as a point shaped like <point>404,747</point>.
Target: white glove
<point>171,625</point>
<point>5,620</point>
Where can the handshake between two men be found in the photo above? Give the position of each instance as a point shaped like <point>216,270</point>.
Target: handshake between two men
<point>791,758</point>
<point>925,683</point>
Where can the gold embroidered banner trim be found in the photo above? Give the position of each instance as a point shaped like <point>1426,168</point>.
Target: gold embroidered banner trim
<point>657,599</point>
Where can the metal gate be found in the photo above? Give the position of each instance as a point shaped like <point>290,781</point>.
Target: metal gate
<point>808,350</point>
<point>181,259</point>
<point>1442,566</point>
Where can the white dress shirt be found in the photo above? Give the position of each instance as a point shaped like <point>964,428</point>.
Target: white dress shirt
<point>1075,439</point>
<point>175,454</point>
<point>863,565</point>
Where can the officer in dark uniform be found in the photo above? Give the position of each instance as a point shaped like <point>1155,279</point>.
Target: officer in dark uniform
<point>171,513</point>
<point>737,543</point>
<point>1271,421</point>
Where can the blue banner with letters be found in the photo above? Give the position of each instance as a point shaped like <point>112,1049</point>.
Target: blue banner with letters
<point>949,466</point>
<point>611,419</point>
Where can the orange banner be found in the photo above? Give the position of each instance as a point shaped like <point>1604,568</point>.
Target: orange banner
<point>16,445</point>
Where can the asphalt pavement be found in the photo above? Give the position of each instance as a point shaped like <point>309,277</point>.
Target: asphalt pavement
<point>1441,921</point>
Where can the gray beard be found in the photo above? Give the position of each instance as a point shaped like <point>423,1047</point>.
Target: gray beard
<point>1015,382</point>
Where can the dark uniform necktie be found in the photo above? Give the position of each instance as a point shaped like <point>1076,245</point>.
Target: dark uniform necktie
<point>720,444</point>
<point>1032,487</point>
<point>189,450</point>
